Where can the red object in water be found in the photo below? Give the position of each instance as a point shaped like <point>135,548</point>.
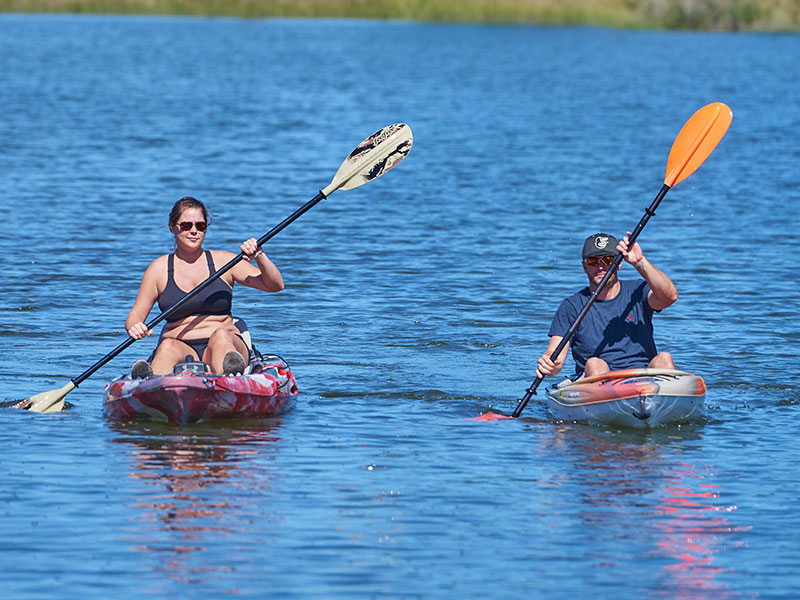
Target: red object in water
<point>268,390</point>
<point>489,416</point>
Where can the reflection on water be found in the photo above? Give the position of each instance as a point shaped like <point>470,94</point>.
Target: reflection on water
<point>695,527</point>
<point>663,508</point>
<point>196,483</point>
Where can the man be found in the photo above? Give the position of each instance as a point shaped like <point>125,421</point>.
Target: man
<point>617,332</point>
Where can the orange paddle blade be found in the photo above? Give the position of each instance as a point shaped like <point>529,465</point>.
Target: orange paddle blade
<point>488,416</point>
<point>696,140</point>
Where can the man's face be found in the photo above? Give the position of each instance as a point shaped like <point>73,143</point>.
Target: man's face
<point>596,267</point>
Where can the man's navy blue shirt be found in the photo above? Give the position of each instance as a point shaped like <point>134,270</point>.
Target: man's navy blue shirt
<point>619,330</point>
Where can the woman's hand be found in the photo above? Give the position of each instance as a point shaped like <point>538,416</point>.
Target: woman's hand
<point>251,249</point>
<point>139,330</point>
<point>267,277</point>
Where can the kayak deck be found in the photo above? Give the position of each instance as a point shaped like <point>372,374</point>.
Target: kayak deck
<point>267,389</point>
<point>641,398</point>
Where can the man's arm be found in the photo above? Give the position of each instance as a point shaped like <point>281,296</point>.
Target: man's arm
<point>663,292</point>
<point>545,366</point>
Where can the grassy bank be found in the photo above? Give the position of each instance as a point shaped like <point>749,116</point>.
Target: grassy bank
<point>728,15</point>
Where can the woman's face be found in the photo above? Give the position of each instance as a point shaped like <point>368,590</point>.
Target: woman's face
<point>187,229</point>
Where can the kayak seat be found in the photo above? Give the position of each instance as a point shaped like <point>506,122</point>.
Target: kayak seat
<point>245,333</point>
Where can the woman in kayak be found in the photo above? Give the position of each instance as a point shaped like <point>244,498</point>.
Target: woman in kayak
<point>202,328</point>
<point>617,333</point>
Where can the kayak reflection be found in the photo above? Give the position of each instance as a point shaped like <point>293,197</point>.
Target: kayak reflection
<point>194,487</point>
<point>647,496</point>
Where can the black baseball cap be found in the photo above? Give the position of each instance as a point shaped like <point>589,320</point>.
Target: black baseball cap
<point>600,244</point>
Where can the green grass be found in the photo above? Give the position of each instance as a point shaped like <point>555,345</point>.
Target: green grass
<point>756,15</point>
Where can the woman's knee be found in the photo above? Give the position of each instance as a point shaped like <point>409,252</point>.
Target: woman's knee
<point>168,353</point>
<point>221,336</point>
<point>174,349</point>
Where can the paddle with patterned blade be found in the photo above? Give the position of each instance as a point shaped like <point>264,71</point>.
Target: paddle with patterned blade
<point>373,157</point>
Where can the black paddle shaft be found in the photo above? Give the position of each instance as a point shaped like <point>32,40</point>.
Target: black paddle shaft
<point>649,212</point>
<point>217,274</point>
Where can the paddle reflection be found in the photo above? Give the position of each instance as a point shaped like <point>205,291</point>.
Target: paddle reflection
<point>190,475</point>
<point>654,488</point>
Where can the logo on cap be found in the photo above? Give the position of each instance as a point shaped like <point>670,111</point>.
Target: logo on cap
<point>600,242</point>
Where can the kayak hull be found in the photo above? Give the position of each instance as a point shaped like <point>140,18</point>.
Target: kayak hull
<point>640,398</point>
<point>268,390</point>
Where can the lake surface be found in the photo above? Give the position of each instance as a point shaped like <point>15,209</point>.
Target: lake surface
<point>411,304</point>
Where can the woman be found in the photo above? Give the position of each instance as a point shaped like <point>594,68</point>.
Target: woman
<point>203,328</point>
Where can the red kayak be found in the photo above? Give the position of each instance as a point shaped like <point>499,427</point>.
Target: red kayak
<point>191,394</point>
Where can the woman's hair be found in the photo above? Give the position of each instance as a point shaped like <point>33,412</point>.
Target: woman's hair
<point>183,204</point>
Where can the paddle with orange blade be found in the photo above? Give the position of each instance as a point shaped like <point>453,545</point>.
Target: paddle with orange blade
<point>695,142</point>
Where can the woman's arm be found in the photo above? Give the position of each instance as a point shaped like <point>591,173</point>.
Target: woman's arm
<point>145,299</point>
<point>264,276</point>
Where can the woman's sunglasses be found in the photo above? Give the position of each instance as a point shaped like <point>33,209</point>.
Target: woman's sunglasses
<point>187,225</point>
<point>594,261</point>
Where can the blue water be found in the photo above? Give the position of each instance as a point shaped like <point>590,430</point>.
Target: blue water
<point>411,304</point>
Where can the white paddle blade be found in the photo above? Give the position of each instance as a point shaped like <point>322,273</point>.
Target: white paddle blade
<point>47,402</point>
<point>373,157</point>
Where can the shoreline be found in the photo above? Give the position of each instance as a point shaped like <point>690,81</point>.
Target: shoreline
<point>711,15</point>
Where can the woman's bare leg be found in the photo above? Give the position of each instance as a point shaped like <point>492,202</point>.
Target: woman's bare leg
<point>169,353</point>
<point>220,343</point>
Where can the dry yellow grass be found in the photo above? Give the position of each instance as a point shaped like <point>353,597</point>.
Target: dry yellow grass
<point>767,15</point>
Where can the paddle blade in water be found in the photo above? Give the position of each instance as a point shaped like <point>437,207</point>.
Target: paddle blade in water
<point>373,157</point>
<point>489,416</point>
<point>47,402</point>
<point>696,140</point>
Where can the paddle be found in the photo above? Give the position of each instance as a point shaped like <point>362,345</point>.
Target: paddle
<point>373,157</point>
<point>696,140</point>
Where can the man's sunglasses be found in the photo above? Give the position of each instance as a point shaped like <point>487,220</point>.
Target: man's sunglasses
<point>604,261</point>
<point>187,225</point>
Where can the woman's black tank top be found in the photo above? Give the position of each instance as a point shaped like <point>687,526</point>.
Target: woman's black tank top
<point>216,299</point>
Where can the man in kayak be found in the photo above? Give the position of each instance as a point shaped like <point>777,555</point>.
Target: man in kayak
<point>617,332</point>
